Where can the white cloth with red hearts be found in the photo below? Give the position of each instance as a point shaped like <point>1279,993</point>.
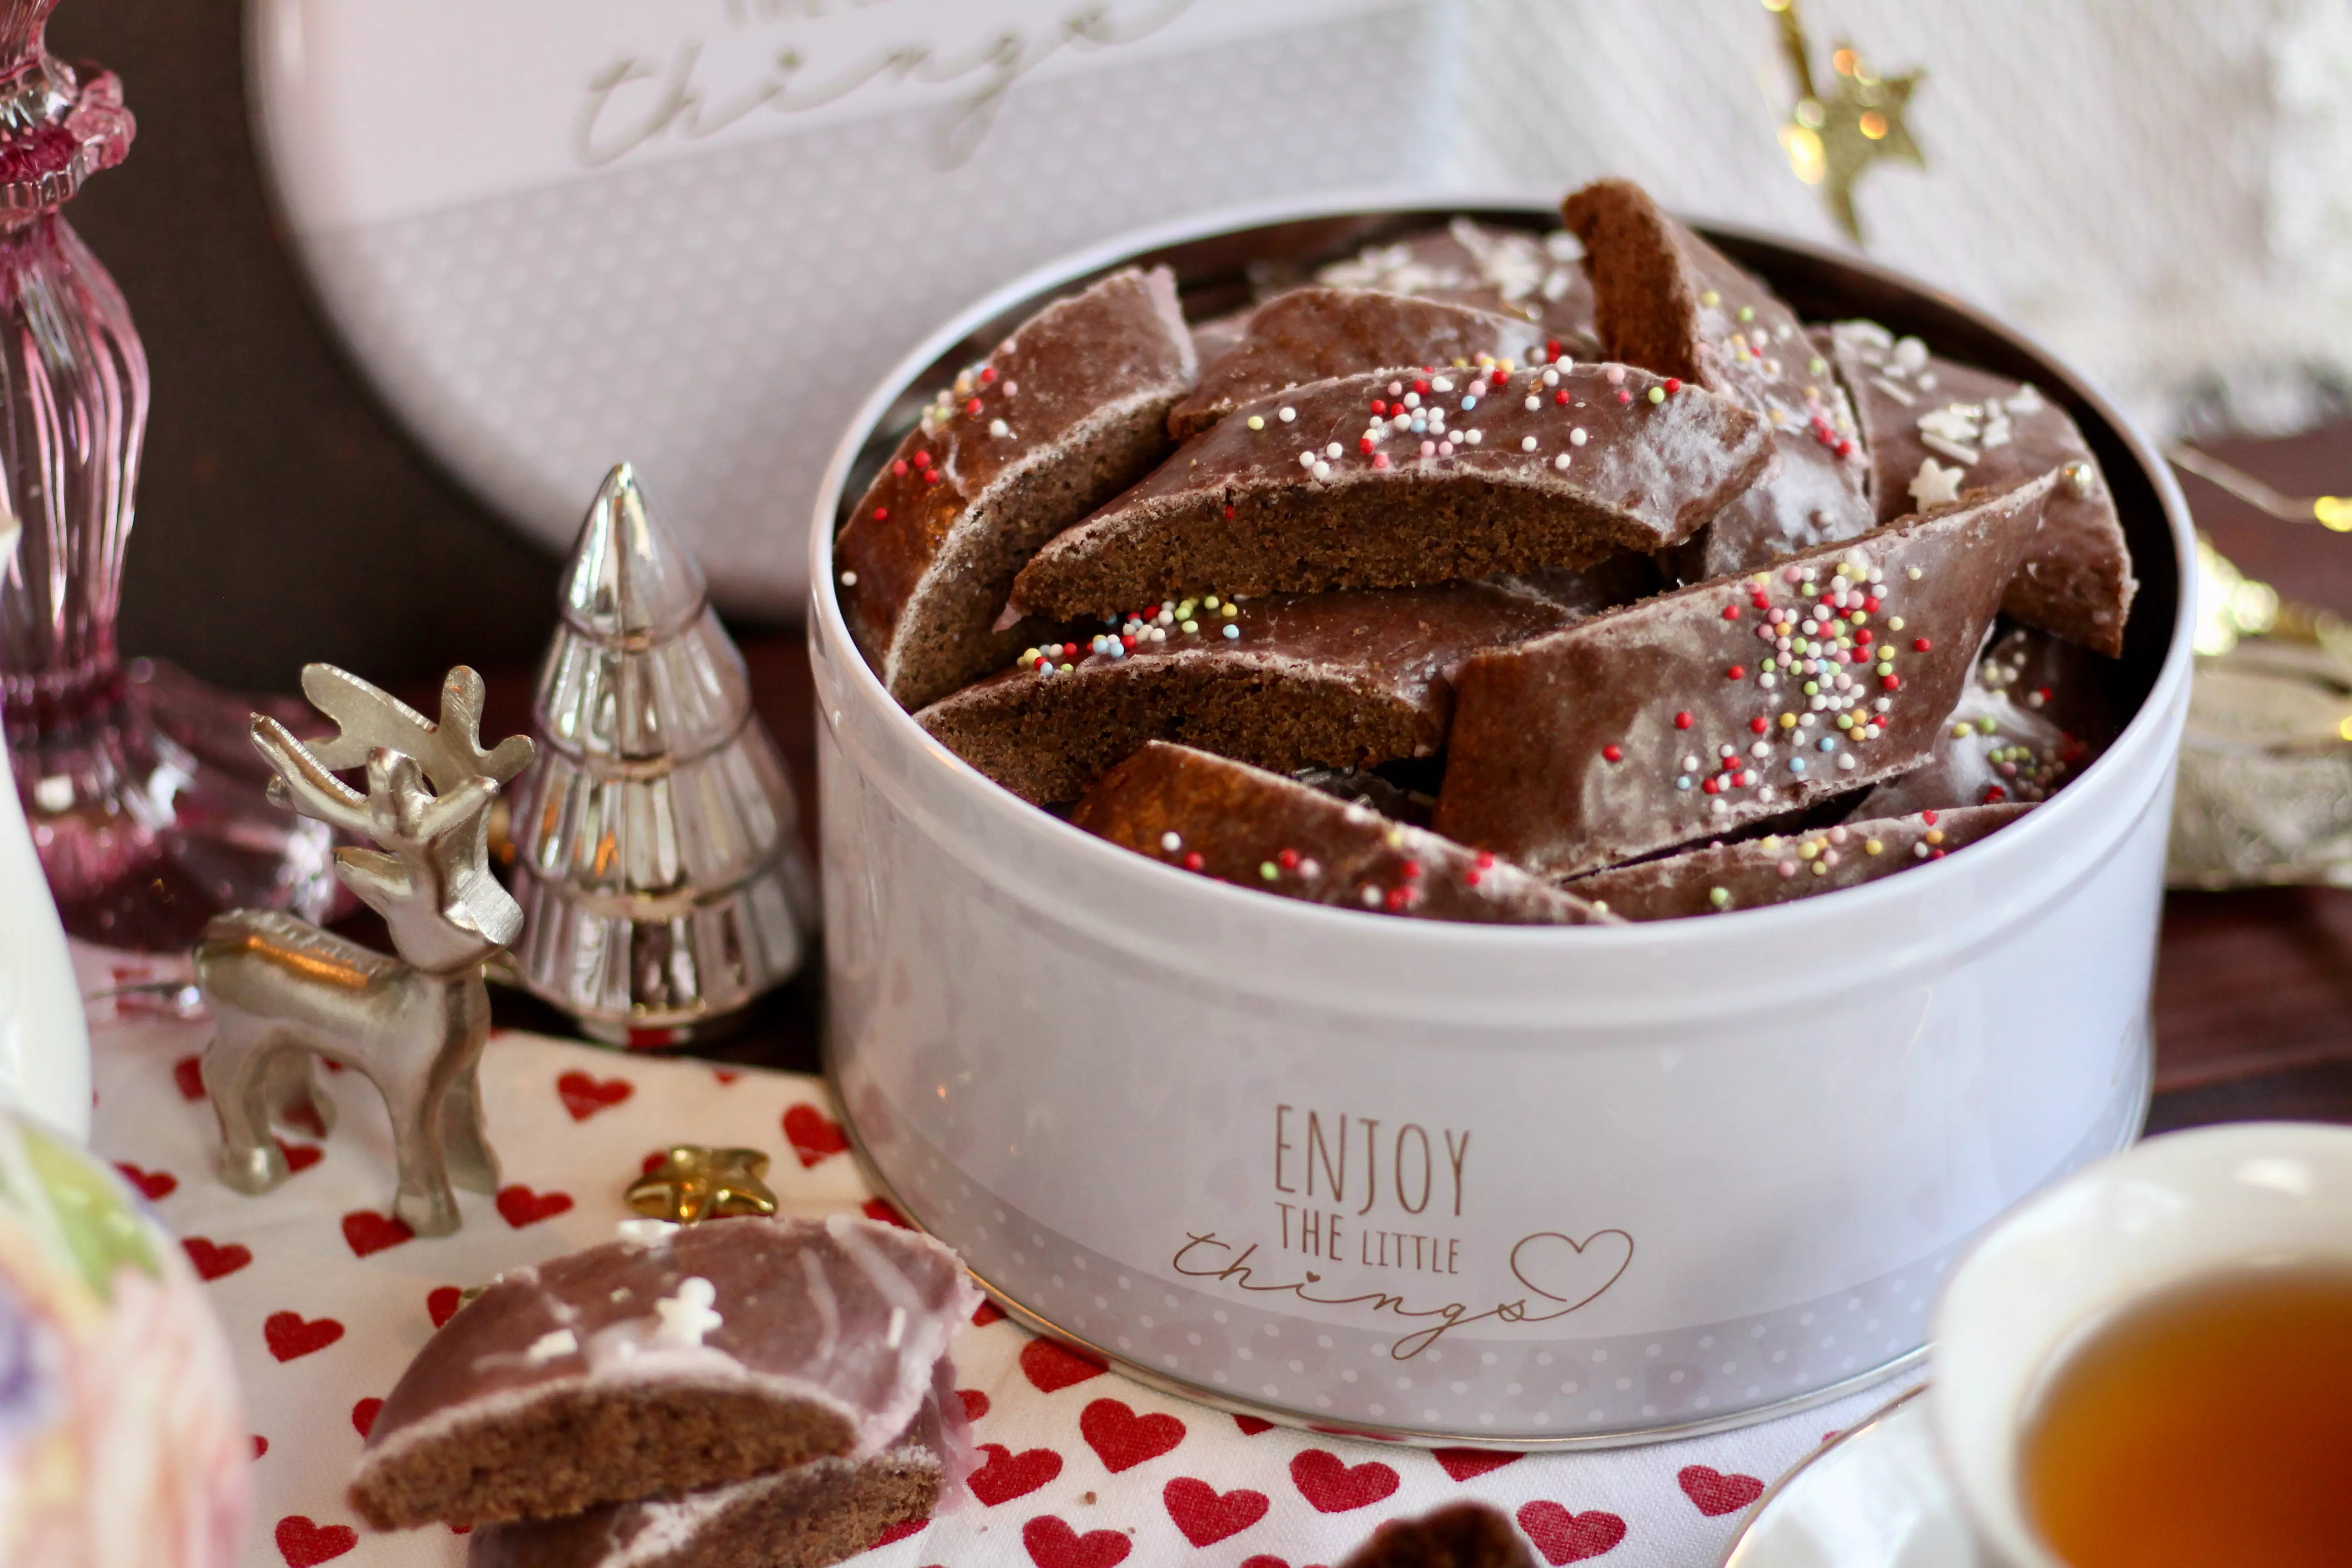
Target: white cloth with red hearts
<point>325,1298</point>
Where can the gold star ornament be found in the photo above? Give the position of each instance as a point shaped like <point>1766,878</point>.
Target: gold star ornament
<point>693,1183</point>
<point>1833,138</point>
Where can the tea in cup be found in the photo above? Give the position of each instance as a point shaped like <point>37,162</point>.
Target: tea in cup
<point>2151,1364</point>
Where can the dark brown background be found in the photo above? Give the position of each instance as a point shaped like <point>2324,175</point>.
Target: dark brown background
<point>283,516</point>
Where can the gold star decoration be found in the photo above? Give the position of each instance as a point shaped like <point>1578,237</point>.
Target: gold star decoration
<point>693,1183</point>
<point>1833,140</point>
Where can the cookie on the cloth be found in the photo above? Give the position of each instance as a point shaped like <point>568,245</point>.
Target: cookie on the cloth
<point>1537,277</point>
<point>1935,428</point>
<point>804,1516</point>
<point>1459,1535</point>
<point>1315,333</point>
<point>1669,302</point>
<point>2033,714</point>
<point>705,1355</point>
<point>1393,480</point>
<point>1693,714</point>
<point>1068,411</point>
<point>1242,825</point>
<point>1783,867</point>
<point>1288,682</point>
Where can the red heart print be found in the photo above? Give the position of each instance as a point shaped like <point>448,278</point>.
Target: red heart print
<point>1266,1560</point>
<point>290,1334</point>
<point>1122,1439</point>
<point>1717,1494</point>
<point>1565,1537</point>
<point>304,1544</point>
<point>900,1531</point>
<point>1053,1544</point>
<point>1252,1426</point>
<point>151,1185</point>
<point>188,1072</point>
<point>880,1211</point>
<point>975,1403</point>
<point>521,1206</point>
<point>299,1156</point>
<point>215,1259</point>
<point>260,1444</point>
<point>815,1135</point>
<point>653,1161</point>
<point>1334,1486</point>
<point>442,1301</point>
<point>1052,1366</point>
<point>364,1415</point>
<point>1468,1464</point>
<point>987,1312</point>
<point>305,1115</point>
<point>1008,1475</point>
<point>1206,1515</point>
<point>584,1095</point>
<point>726,1075</point>
<point>366,1231</point>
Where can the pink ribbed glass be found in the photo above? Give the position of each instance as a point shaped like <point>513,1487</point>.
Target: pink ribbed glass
<point>144,801</point>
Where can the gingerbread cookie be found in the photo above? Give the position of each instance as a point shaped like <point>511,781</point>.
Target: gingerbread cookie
<point>1070,410</point>
<point>1535,278</point>
<point>2033,715</point>
<point>1287,681</point>
<point>1672,303</point>
<point>711,1354</point>
<point>1313,334</point>
<point>1397,479</point>
<point>1697,712</point>
<point>1935,428</point>
<point>1239,824</point>
<point>1783,867</point>
<point>805,1516</point>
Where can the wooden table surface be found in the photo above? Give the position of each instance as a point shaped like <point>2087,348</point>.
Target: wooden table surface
<point>2254,992</point>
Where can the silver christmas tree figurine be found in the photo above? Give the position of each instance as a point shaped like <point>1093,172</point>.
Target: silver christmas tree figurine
<point>662,881</point>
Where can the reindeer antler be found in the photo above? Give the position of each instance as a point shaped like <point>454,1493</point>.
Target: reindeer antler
<point>450,751</point>
<point>431,879</point>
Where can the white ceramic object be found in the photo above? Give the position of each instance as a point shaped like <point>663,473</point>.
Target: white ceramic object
<point>1622,1182</point>
<point>44,1038</point>
<point>1875,1498</point>
<point>500,203</point>
<point>2189,1204</point>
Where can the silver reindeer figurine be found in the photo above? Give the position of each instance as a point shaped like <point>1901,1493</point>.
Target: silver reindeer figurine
<point>283,990</point>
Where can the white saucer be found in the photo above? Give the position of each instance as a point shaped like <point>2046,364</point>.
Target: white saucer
<point>1875,1498</point>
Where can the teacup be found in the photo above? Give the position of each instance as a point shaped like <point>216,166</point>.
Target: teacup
<point>2149,1224</point>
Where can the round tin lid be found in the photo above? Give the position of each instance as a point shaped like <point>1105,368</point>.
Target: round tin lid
<point>557,234</point>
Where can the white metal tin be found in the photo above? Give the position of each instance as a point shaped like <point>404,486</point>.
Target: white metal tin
<point>1469,1184</point>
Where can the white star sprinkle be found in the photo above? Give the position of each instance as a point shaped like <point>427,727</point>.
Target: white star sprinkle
<point>1935,484</point>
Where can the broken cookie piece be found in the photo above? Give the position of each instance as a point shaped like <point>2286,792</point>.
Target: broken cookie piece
<point>806,1515</point>
<point>1070,410</point>
<point>1242,825</point>
<point>1395,479</point>
<point>711,1354</point>
<point>1535,278</point>
<point>2033,714</point>
<point>1459,1535</point>
<point>1313,334</point>
<point>1697,712</point>
<point>1783,867</point>
<point>1670,302</point>
<point>1935,428</point>
<point>1289,681</point>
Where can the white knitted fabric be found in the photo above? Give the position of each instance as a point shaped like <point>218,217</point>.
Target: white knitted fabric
<point>2160,189</point>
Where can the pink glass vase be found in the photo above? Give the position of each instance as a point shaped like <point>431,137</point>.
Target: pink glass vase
<point>144,801</point>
